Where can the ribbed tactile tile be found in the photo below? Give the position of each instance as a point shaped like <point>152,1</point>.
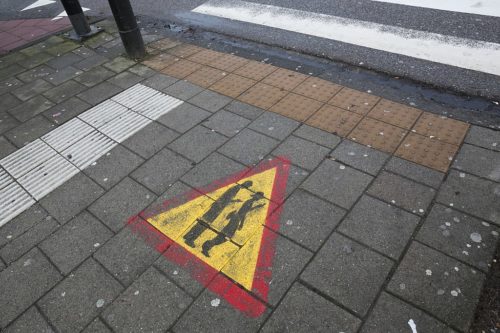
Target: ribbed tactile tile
<point>102,113</point>
<point>426,151</point>
<point>255,70</point>
<point>160,61</point>
<point>157,106</point>
<point>205,57</point>
<point>206,76</point>
<point>441,128</point>
<point>89,149</point>
<point>355,101</point>
<point>5,179</point>
<point>318,89</point>
<point>13,201</point>
<point>377,134</point>
<point>229,62</point>
<point>181,69</point>
<point>395,114</point>
<point>135,95</point>
<point>335,120</point>
<point>262,95</point>
<point>185,50</point>
<point>232,85</point>
<point>296,107</point>
<point>285,79</point>
<point>67,134</point>
<point>124,126</point>
<point>27,158</point>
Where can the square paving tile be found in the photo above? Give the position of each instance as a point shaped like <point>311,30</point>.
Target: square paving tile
<point>478,161</point>
<point>360,157</point>
<point>198,143</point>
<point>255,70</point>
<point>395,114</point>
<point>428,152</point>
<point>22,223</point>
<point>183,90</point>
<point>348,272</point>
<point>31,108</point>
<point>402,192</point>
<point>125,79</point>
<point>205,57</point>
<point>159,81</point>
<point>150,140</point>
<point>226,123</point>
<point>285,79</point>
<point>66,110</point>
<point>165,44</point>
<point>184,117</point>
<point>232,85</point>
<point>334,120</point>
<point>7,122</point>
<point>210,101</point>
<point>160,61</point>
<point>99,93</point>
<point>274,125</point>
<point>302,153</point>
<point>6,148</point>
<point>415,172</point>
<point>182,68</point>
<point>228,62</point>
<point>380,226</point>
<point>185,50</point>
<point>206,76</point>
<point>318,136</point>
<point>438,284</point>
<point>441,128</point>
<point>296,107</point>
<point>245,110</point>
<point>262,96</point>
<point>379,135</point>
<point>248,147</point>
<point>337,183</point>
<point>355,101</point>
<point>30,321</point>
<point>483,137</point>
<point>29,131</point>
<point>459,235</point>
<point>318,89</point>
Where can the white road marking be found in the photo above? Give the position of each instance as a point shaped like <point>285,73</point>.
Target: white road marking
<point>64,14</point>
<point>38,3</point>
<point>460,52</point>
<point>479,7</point>
<point>40,167</point>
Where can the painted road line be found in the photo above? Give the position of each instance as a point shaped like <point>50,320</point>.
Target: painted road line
<point>37,169</point>
<point>460,52</point>
<point>483,7</point>
<point>38,3</point>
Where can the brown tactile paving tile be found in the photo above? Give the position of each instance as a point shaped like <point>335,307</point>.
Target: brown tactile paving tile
<point>296,107</point>
<point>181,68</point>
<point>355,101</point>
<point>229,62</point>
<point>206,76</point>
<point>441,128</point>
<point>318,89</point>
<point>185,50</point>
<point>255,70</point>
<point>377,134</point>
<point>160,61</point>
<point>395,114</point>
<point>285,79</point>
<point>205,57</point>
<point>151,51</point>
<point>335,120</point>
<point>426,151</point>
<point>262,95</point>
<point>232,85</point>
<point>165,44</point>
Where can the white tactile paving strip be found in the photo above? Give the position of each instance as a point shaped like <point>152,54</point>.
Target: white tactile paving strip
<point>37,169</point>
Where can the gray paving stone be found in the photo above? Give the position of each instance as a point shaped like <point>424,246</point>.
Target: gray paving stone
<point>31,89</point>
<point>245,110</point>
<point>9,84</point>
<point>98,40</point>
<point>36,73</point>
<point>249,147</point>
<point>183,90</point>
<point>178,189</point>
<point>84,52</point>
<point>124,200</point>
<point>61,48</point>
<point>33,61</point>
<point>380,226</point>
<point>360,157</point>
<point>8,102</point>
<point>111,52</point>
<point>414,171</point>
<point>226,123</point>
<point>471,194</point>
<point>159,81</point>
<point>6,148</point>
<point>72,244</point>
<point>210,101</point>
<point>459,235</point>
<point>31,108</point>
<point>303,153</point>
<point>22,244</point>
<point>337,183</point>
<point>402,192</point>
<point>141,70</point>
<point>478,161</point>
<point>21,223</point>
<point>302,310</point>
<point>69,199</point>
<point>308,220</point>
<point>484,137</point>
<point>202,316</point>
<point>66,110</point>
<point>119,64</point>
<point>32,270</point>
<point>113,167</point>
<point>296,177</point>
<point>97,326</point>
<point>64,91</point>
<point>163,169</point>
<point>7,122</point>
<point>150,140</point>
<point>274,125</point>
<point>348,272</point>
<point>213,168</point>
<point>125,79</point>
<point>197,143</point>
<point>99,93</point>
<point>30,321</point>
<point>316,135</point>
<point>94,76</point>
<point>91,62</point>
<point>184,117</point>
<point>9,71</point>
<point>2,265</point>
<point>438,284</point>
<point>151,304</point>
<point>126,256</point>
<point>64,60</point>
<point>391,315</point>
<point>80,297</point>
<point>29,131</point>
<point>63,75</point>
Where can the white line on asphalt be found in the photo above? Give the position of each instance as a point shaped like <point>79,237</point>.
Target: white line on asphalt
<point>483,7</point>
<point>460,52</point>
<point>38,168</point>
<point>38,3</point>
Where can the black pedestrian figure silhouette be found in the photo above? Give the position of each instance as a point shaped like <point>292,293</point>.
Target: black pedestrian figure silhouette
<point>215,210</point>
<point>236,222</point>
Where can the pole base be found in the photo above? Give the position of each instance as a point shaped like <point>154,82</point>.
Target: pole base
<point>74,36</point>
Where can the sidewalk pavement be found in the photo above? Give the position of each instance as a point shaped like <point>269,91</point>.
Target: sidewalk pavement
<point>379,217</point>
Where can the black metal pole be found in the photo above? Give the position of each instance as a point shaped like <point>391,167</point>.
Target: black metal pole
<point>127,26</point>
<point>75,15</point>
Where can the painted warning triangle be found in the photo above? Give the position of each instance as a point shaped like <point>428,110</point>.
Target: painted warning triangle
<point>221,233</point>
